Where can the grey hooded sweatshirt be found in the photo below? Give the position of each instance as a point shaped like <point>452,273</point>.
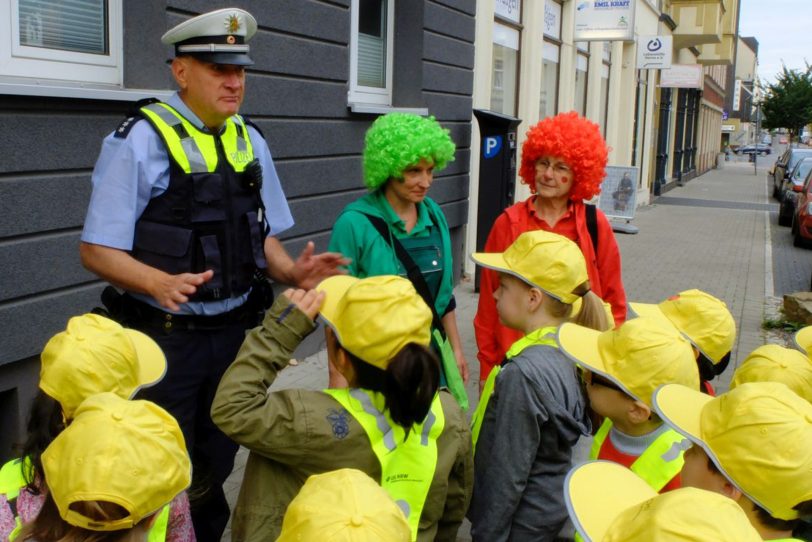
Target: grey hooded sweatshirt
<point>535,416</point>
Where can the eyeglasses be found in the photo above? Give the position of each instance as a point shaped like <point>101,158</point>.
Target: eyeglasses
<point>560,169</point>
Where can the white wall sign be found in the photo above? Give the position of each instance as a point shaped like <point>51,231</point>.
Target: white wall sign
<point>654,52</point>
<point>509,9</point>
<point>552,19</point>
<point>682,76</point>
<point>737,95</point>
<point>604,20</point>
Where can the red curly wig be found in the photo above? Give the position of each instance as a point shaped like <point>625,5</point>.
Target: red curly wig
<point>578,142</point>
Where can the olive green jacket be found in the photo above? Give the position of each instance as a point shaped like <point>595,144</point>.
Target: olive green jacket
<point>295,433</point>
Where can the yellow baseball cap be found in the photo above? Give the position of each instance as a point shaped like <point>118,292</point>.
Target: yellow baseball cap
<point>375,317</point>
<point>757,434</point>
<point>705,320</point>
<point>548,261</point>
<point>639,356</point>
<point>774,363</point>
<point>344,505</point>
<point>130,453</point>
<point>803,339</point>
<point>607,502</point>
<point>95,354</point>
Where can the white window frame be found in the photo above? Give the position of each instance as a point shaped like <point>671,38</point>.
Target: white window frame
<point>360,94</point>
<point>22,65</point>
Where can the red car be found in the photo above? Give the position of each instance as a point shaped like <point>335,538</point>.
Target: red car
<point>783,140</point>
<point>802,219</point>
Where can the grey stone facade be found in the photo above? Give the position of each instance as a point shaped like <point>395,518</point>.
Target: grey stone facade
<point>296,93</point>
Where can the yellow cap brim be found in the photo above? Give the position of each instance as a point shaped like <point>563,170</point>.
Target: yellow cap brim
<point>496,261</point>
<point>151,359</point>
<point>580,344</point>
<point>596,493</point>
<point>681,408</point>
<point>803,339</point>
<point>334,289</point>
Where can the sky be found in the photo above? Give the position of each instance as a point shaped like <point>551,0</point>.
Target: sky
<point>783,29</point>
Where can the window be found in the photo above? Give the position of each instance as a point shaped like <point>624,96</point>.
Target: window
<point>73,41</point>
<point>581,76</point>
<point>505,69</point>
<point>641,101</point>
<point>371,51</point>
<point>550,53</point>
<point>605,68</point>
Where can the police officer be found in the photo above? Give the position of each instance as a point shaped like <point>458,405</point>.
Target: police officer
<point>186,206</point>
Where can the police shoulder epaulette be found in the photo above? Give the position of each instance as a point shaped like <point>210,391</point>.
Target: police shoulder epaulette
<point>253,125</point>
<point>133,116</point>
<point>124,128</point>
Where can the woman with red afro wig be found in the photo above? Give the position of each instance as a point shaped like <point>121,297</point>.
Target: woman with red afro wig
<point>563,162</point>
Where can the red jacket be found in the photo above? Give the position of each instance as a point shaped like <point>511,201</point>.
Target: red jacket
<point>493,339</point>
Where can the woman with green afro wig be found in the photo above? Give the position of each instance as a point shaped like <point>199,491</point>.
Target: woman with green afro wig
<point>401,153</point>
<point>399,140</point>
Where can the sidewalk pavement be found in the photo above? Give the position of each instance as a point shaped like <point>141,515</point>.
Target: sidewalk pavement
<point>711,234</point>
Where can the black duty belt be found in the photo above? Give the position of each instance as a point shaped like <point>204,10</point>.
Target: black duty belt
<point>137,313</point>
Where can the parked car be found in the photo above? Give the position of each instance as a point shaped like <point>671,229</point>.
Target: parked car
<point>783,140</point>
<point>791,186</point>
<point>785,163</point>
<point>802,218</point>
<point>761,148</point>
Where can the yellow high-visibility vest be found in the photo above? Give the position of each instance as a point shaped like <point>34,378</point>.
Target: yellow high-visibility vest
<point>542,336</point>
<point>659,463</point>
<point>407,463</point>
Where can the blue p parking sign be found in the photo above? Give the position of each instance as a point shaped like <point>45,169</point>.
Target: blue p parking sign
<point>491,146</point>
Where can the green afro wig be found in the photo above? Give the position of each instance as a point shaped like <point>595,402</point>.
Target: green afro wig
<point>396,141</point>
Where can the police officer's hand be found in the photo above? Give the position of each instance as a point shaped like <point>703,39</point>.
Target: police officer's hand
<point>307,301</point>
<point>310,269</point>
<point>172,290</point>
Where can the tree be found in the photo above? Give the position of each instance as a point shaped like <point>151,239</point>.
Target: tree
<point>787,103</point>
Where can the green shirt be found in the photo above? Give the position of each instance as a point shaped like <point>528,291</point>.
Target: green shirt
<point>429,243</point>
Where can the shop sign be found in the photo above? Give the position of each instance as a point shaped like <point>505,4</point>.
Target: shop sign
<point>654,52</point>
<point>682,76</point>
<point>604,20</point>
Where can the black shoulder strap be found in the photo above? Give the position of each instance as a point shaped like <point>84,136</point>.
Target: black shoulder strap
<point>412,270</point>
<point>253,125</point>
<point>592,225</point>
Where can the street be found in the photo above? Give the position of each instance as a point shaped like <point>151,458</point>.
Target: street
<point>718,233</point>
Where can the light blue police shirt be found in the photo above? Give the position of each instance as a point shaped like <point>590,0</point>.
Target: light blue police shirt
<point>130,171</point>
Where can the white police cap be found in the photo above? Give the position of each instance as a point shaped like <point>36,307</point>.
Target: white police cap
<point>219,36</point>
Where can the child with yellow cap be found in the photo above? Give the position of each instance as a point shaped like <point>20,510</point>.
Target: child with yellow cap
<point>609,503</point>
<point>622,368</point>
<point>110,473</point>
<point>705,321</point>
<point>802,339</point>
<point>533,409</point>
<point>391,423</point>
<point>92,355</point>
<point>752,444</point>
<point>344,505</point>
<point>774,363</point>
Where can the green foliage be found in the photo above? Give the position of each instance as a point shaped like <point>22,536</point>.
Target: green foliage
<point>782,324</point>
<point>787,103</point>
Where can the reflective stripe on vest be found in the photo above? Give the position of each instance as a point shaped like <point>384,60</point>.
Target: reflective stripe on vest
<point>157,533</point>
<point>659,463</point>
<point>195,151</point>
<point>11,482</point>
<point>407,464</point>
<point>544,336</point>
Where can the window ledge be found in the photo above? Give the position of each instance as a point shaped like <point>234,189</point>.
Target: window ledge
<point>379,109</point>
<point>64,89</point>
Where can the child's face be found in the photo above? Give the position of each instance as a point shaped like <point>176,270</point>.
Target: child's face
<point>605,398</point>
<point>511,301</point>
<point>697,473</point>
